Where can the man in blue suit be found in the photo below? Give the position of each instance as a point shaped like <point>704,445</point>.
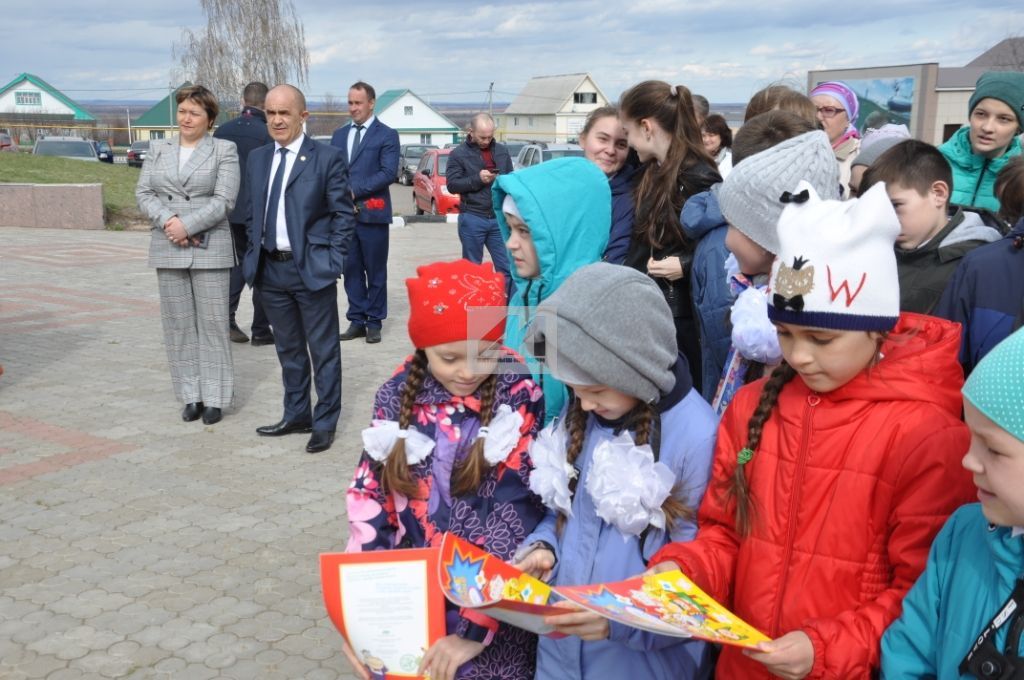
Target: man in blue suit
<point>371,149</point>
<point>248,131</point>
<point>300,222</point>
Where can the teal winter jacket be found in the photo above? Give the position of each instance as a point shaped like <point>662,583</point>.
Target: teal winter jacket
<point>567,205</point>
<point>971,571</point>
<point>974,176</point>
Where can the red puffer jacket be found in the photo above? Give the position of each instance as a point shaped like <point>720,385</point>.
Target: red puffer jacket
<point>849,489</point>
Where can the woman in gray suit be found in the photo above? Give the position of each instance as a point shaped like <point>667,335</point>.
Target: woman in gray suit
<point>187,188</point>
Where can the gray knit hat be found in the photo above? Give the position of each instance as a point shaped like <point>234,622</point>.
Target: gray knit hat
<point>875,142</point>
<point>609,325</point>
<point>749,197</point>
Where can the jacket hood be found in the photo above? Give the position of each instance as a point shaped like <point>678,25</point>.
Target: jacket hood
<point>701,214</point>
<point>919,363</point>
<point>971,228</point>
<point>567,204</point>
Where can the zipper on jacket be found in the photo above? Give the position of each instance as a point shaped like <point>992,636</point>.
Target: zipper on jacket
<point>977,185</point>
<point>794,502</point>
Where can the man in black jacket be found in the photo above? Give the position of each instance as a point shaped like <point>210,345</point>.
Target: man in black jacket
<point>248,131</point>
<point>472,167</point>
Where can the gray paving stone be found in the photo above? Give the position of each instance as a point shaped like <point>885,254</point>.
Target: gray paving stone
<point>163,550</point>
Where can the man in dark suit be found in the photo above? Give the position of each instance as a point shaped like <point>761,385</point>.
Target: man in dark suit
<point>371,149</point>
<point>300,223</point>
<point>248,131</point>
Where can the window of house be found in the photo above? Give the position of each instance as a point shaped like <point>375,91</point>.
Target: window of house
<point>408,110</point>
<point>425,138</point>
<point>584,97</point>
<point>529,121</point>
<point>28,98</point>
<point>156,134</point>
<point>515,121</point>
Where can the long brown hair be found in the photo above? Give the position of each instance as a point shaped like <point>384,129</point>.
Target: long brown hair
<point>658,196</point>
<point>739,487</point>
<point>396,477</point>
<point>641,421</point>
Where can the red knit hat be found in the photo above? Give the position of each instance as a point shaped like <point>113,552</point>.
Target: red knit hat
<point>442,293</point>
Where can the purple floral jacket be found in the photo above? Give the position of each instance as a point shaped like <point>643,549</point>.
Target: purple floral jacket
<point>501,513</point>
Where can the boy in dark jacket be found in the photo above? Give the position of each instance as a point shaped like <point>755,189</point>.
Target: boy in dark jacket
<point>932,241</point>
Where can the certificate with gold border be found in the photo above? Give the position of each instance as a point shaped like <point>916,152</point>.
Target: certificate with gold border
<point>387,605</point>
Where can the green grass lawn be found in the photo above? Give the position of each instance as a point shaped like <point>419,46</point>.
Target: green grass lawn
<point>118,181</point>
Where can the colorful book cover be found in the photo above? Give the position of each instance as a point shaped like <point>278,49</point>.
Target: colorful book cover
<point>387,605</point>
<point>474,579</point>
<point>668,603</point>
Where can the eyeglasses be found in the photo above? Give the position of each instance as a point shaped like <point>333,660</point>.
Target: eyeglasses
<point>830,111</point>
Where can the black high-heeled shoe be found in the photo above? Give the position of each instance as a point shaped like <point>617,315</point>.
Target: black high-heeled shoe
<point>211,415</point>
<point>192,411</point>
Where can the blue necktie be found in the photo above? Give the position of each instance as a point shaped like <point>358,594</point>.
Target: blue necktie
<point>270,220</point>
<point>355,142</point>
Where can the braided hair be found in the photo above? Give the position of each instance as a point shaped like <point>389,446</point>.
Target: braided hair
<point>474,466</point>
<point>395,477</point>
<point>739,487</point>
<point>641,419</point>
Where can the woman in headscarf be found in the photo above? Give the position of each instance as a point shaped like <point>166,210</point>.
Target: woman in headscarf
<point>838,107</point>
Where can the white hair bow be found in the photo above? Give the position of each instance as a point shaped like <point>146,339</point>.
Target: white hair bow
<point>628,486</point>
<point>380,438</point>
<point>501,435</point>
<point>550,476</point>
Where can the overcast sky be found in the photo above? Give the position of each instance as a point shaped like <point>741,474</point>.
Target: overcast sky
<point>452,49</point>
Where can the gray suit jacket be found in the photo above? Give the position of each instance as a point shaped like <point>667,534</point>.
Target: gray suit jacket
<point>201,195</point>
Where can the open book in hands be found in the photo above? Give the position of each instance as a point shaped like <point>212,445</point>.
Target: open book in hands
<point>668,603</point>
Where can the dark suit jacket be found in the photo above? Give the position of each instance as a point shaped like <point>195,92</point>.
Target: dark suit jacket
<point>248,132</point>
<point>372,169</point>
<point>318,212</point>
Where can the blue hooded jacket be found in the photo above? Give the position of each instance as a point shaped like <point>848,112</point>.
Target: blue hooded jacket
<point>974,176</point>
<point>972,568</point>
<point>984,295</point>
<point>567,205</point>
<point>709,284</point>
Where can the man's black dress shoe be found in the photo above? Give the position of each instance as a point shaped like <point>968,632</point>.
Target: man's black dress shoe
<point>192,411</point>
<point>282,428</point>
<point>320,441</point>
<point>237,334</point>
<point>211,415</point>
<point>267,339</point>
<point>353,331</point>
<point>372,336</point>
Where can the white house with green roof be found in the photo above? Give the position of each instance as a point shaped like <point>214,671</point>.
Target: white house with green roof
<point>29,104</point>
<point>416,121</point>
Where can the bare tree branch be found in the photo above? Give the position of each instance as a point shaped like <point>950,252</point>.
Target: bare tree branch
<point>244,40</point>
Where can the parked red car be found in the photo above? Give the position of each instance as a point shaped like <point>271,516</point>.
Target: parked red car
<point>429,186</point>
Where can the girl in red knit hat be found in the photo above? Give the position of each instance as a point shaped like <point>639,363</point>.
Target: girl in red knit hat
<point>447,451</point>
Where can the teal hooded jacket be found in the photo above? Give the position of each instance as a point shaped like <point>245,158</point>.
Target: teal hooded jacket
<point>974,176</point>
<point>567,205</point>
<point>971,571</point>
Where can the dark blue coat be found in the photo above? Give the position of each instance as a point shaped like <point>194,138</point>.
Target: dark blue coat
<point>318,212</point>
<point>986,295</point>
<point>623,209</point>
<point>703,222</point>
<point>463,176</point>
<point>248,132</point>
<point>372,170</point>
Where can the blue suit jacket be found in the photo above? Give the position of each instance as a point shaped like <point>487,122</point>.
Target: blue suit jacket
<point>318,212</point>
<point>372,169</point>
<point>249,132</point>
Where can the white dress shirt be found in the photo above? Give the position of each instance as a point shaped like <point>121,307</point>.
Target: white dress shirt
<point>352,132</point>
<point>293,152</point>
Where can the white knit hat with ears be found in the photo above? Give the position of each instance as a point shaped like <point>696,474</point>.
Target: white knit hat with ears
<point>836,266</point>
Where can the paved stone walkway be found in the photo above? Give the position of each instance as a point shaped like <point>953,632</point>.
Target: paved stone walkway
<point>133,544</point>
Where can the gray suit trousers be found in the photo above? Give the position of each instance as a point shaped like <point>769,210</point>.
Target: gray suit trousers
<point>194,313</point>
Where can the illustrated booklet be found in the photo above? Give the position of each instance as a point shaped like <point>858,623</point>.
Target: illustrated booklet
<point>668,603</point>
<point>387,605</point>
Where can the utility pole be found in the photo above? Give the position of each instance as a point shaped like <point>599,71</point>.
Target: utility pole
<point>490,100</point>
<point>128,114</point>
